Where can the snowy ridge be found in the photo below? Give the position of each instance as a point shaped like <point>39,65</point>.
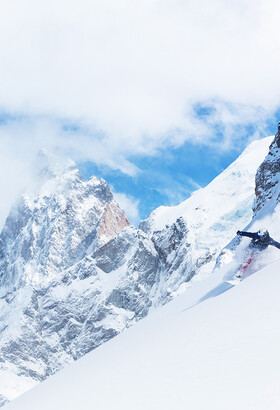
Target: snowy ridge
<point>211,217</point>
<point>235,184</point>
<point>268,175</point>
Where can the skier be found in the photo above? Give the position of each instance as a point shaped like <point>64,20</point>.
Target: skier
<point>260,241</point>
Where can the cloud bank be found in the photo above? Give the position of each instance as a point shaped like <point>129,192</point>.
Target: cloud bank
<point>105,81</point>
<point>135,69</point>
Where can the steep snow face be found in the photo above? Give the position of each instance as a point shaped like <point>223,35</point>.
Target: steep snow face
<point>214,348</point>
<point>70,281</point>
<point>266,209</point>
<point>47,232</point>
<point>190,236</point>
<point>210,204</point>
<point>268,176</point>
<point>266,215</point>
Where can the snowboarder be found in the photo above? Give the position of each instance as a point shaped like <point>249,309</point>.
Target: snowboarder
<point>260,241</point>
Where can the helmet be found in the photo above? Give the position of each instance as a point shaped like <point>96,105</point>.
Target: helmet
<point>263,233</point>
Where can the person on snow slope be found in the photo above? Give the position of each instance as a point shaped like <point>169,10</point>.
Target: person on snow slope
<point>260,241</point>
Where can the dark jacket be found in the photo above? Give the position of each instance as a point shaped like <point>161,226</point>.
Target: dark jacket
<point>259,243</point>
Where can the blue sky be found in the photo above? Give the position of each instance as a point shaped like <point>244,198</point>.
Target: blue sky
<point>144,174</point>
<point>141,180</point>
<point>166,179</point>
<point>170,176</point>
<point>155,96</point>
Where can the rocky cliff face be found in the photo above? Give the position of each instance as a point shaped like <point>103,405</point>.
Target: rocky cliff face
<point>48,232</point>
<point>45,235</point>
<point>267,176</point>
<point>73,274</point>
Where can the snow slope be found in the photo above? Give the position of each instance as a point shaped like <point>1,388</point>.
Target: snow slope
<point>221,353</point>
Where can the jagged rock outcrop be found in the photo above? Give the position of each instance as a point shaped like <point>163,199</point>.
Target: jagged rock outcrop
<point>3,400</point>
<point>112,222</point>
<point>45,235</point>
<point>267,176</point>
<point>48,232</point>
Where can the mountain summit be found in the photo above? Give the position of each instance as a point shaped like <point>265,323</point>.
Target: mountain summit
<point>49,231</point>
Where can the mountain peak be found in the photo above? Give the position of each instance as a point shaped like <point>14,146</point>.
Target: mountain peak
<point>57,224</point>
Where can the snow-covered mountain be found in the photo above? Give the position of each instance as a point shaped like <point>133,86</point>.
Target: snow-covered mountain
<point>215,346</point>
<point>206,222</point>
<point>74,274</point>
<point>49,231</point>
<point>45,235</point>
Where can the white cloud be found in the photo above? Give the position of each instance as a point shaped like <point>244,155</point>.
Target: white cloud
<point>135,68</point>
<point>130,205</point>
<point>130,73</point>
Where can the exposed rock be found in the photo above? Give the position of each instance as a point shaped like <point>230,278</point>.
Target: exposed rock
<point>267,176</point>
<point>47,233</point>
<point>3,400</point>
<point>113,221</point>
